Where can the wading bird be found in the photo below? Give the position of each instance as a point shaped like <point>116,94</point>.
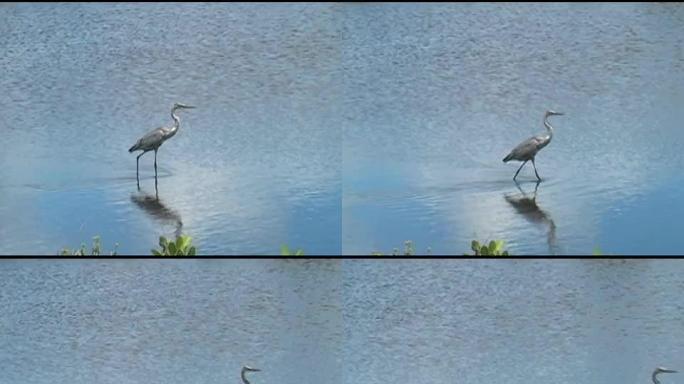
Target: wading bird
<point>528,149</point>
<point>246,369</point>
<point>658,371</point>
<point>153,139</point>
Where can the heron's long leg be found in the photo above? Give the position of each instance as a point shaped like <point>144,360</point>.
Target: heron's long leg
<point>518,185</point>
<point>536,187</point>
<point>535,170</point>
<point>521,165</point>
<point>137,168</point>
<point>155,169</point>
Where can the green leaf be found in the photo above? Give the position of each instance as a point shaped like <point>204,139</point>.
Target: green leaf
<point>182,242</point>
<point>284,250</point>
<point>191,252</point>
<point>299,253</point>
<point>156,253</point>
<point>163,242</point>
<point>475,245</point>
<point>172,248</point>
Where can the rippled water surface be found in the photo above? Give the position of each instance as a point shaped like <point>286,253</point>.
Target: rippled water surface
<point>440,93</point>
<point>149,321</point>
<point>254,166</point>
<point>531,322</point>
<point>340,321</point>
<point>342,128</point>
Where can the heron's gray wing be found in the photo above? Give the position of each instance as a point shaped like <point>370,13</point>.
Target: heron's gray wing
<point>526,148</point>
<point>152,138</point>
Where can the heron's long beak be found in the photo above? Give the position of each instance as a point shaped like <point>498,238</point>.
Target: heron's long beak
<point>188,106</point>
<point>668,371</point>
<point>558,113</point>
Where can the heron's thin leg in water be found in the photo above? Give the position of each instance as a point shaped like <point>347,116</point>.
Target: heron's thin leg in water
<point>521,165</point>
<point>535,170</point>
<point>518,185</point>
<point>137,168</point>
<point>155,166</point>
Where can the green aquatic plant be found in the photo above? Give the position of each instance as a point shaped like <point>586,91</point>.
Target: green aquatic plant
<point>495,248</point>
<point>181,247</point>
<point>95,250</point>
<point>285,251</point>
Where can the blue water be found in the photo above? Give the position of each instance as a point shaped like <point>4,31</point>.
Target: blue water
<point>342,128</point>
<point>256,165</point>
<point>340,321</point>
<point>149,321</point>
<point>440,93</point>
<point>524,321</point>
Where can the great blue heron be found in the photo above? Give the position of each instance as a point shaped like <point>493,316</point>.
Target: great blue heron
<point>246,369</point>
<point>658,371</point>
<point>153,139</point>
<point>528,149</point>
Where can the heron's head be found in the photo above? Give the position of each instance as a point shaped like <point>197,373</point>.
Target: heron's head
<point>553,113</point>
<point>180,105</point>
<point>663,370</point>
<point>247,368</point>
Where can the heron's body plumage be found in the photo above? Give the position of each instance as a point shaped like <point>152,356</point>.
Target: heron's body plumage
<point>153,139</point>
<point>528,148</point>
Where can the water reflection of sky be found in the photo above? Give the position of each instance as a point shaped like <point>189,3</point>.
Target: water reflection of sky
<point>341,127</point>
<point>436,141</point>
<point>255,166</point>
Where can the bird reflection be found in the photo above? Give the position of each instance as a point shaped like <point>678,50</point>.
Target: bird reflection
<point>529,209</point>
<point>154,207</point>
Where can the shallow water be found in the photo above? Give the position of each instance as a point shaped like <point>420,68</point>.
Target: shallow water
<point>442,92</point>
<point>254,166</point>
<point>340,321</point>
<point>342,128</point>
<point>149,321</point>
<point>524,321</point>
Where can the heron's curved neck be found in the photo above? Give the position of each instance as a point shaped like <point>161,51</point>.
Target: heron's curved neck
<point>176,119</point>
<point>655,379</point>
<point>548,126</point>
<point>244,379</point>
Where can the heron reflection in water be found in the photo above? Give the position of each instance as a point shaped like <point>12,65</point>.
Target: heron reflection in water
<point>153,206</point>
<point>246,369</point>
<point>529,209</point>
<point>658,371</point>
